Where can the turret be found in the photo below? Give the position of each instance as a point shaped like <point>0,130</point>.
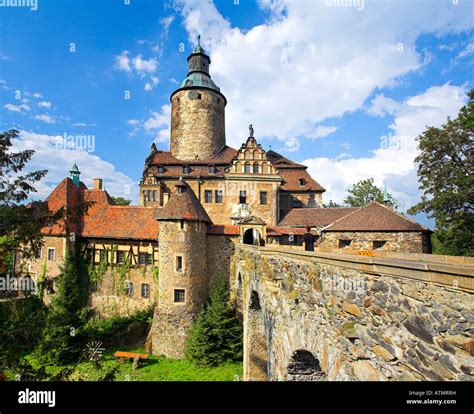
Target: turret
<point>183,281</point>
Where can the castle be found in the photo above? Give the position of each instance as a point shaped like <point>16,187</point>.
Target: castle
<point>198,202</point>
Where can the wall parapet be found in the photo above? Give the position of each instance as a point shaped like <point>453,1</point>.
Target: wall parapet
<point>450,275</point>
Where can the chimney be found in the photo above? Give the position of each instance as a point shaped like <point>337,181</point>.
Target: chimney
<point>97,183</point>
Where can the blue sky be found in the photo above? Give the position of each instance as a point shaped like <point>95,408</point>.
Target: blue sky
<point>326,83</point>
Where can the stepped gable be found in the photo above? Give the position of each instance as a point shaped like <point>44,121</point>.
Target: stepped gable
<point>183,205</point>
<point>375,217</point>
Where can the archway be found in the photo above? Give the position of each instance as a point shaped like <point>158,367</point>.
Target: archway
<point>304,366</point>
<point>251,236</point>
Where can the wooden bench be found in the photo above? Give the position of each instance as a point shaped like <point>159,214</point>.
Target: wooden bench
<point>130,355</point>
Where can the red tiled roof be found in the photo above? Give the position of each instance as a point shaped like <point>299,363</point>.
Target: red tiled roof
<point>292,178</point>
<point>375,217</point>
<point>224,157</point>
<point>314,217</point>
<point>102,219</point>
<point>183,206</point>
<point>279,161</point>
<point>279,230</point>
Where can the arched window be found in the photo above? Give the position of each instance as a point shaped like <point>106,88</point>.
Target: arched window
<point>212,169</point>
<point>186,169</point>
<point>246,168</point>
<point>256,168</point>
<point>150,195</point>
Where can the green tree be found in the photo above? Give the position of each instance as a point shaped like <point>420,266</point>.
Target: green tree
<point>63,336</point>
<point>364,192</point>
<point>120,201</point>
<point>446,176</point>
<point>217,335</point>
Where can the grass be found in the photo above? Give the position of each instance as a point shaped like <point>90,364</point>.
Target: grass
<point>152,369</point>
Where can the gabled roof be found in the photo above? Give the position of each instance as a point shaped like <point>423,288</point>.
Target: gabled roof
<point>292,177</point>
<point>375,217</point>
<point>102,218</point>
<point>183,206</point>
<point>279,161</point>
<point>314,217</point>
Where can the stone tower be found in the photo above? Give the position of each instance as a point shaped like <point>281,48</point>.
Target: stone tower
<point>197,112</point>
<point>183,279</point>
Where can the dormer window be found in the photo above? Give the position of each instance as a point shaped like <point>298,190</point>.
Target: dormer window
<point>302,182</point>
<point>161,169</point>
<point>186,169</point>
<point>212,169</point>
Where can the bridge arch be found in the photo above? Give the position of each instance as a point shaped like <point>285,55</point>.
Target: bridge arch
<point>251,236</point>
<point>304,366</point>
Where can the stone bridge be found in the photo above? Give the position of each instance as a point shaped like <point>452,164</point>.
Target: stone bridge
<point>330,316</point>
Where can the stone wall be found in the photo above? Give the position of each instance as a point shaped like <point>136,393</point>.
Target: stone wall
<point>410,242</point>
<point>172,319</point>
<point>306,319</point>
<point>197,125</point>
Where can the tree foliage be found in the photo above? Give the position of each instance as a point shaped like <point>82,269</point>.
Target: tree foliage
<point>332,204</point>
<point>63,336</point>
<point>364,192</point>
<point>217,335</point>
<point>120,201</point>
<point>446,176</point>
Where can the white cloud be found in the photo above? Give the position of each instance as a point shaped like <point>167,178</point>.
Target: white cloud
<point>314,62</point>
<point>133,122</point>
<point>79,124</point>
<point>48,119</point>
<point>381,105</point>
<point>58,162</point>
<point>17,108</point>
<point>144,66</point>
<point>122,62</point>
<point>468,51</point>
<point>37,95</point>
<point>392,164</point>
<point>44,104</point>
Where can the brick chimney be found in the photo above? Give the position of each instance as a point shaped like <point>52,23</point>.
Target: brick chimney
<point>97,183</point>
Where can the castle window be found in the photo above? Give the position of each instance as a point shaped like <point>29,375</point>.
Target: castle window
<point>343,243</point>
<point>199,96</point>
<point>155,193</point>
<point>263,197</point>
<point>212,169</point>
<point>120,257</point>
<point>186,169</point>
<point>145,290</point>
<point>179,296</point>
<point>103,256</point>
<point>51,254</point>
<point>243,197</point>
<point>179,263</point>
<point>161,169</point>
<point>208,196</point>
<point>144,195</point>
<point>378,244</point>
<point>247,168</point>
<point>149,195</point>
<point>302,182</point>
<point>129,288</point>
<point>218,195</point>
<point>144,259</point>
<point>256,168</point>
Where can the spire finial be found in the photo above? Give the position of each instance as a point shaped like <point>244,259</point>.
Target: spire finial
<point>199,40</point>
<point>386,197</point>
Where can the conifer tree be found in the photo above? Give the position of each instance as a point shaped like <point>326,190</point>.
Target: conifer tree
<point>216,337</point>
<point>63,338</point>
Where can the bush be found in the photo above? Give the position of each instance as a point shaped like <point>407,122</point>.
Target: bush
<point>217,335</point>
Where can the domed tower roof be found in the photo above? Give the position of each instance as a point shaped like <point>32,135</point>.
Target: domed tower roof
<point>198,73</point>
